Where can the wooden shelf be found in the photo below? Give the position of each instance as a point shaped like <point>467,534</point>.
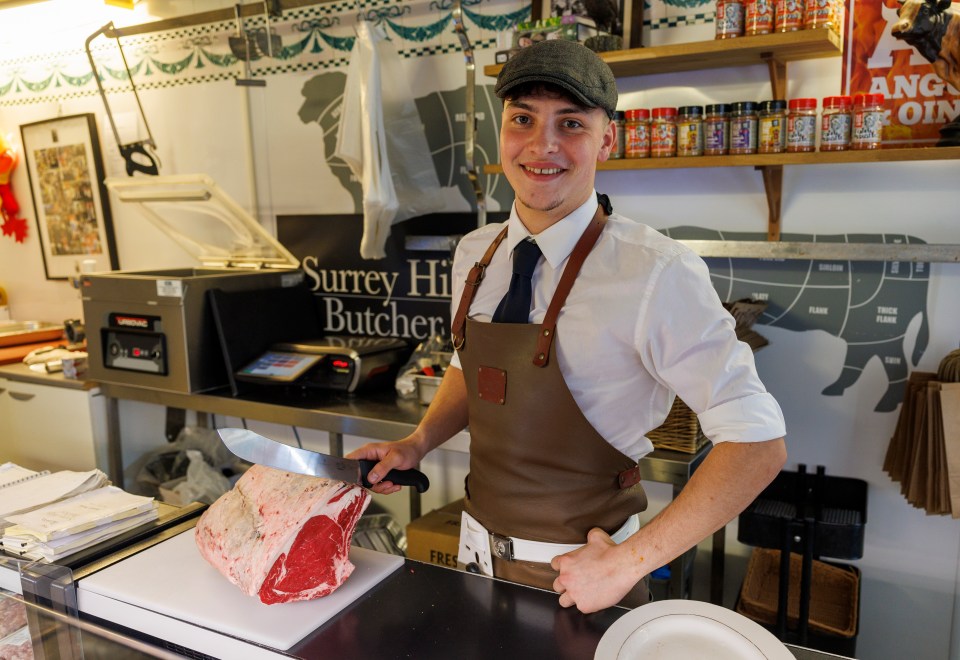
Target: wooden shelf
<point>767,160</point>
<point>718,53</point>
<point>771,167</point>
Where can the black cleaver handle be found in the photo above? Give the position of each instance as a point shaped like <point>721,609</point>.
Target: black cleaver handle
<point>414,478</point>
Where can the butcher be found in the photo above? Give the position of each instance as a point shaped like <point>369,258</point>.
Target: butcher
<point>575,327</point>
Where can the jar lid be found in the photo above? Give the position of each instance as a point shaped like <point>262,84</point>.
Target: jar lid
<point>803,104</point>
<point>638,113</point>
<point>774,105</point>
<point>743,106</point>
<point>867,99</point>
<point>664,112</point>
<point>718,108</point>
<point>837,102</point>
<point>690,110</point>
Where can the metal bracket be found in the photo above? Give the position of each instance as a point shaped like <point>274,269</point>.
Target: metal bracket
<point>176,420</point>
<point>470,138</point>
<point>136,155</point>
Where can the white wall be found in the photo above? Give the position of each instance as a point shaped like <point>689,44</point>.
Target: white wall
<point>910,561</point>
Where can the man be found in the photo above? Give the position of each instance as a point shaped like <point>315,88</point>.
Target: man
<point>559,402</point>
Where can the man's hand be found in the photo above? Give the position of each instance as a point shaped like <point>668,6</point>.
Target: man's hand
<point>600,573</point>
<point>401,455</point>
<point>446,416</point>
<point>596,576</point>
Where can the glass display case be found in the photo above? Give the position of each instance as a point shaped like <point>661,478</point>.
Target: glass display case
<point>29,631</point>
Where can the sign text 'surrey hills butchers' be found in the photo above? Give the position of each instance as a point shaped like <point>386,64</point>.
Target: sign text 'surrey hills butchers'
<point>426,280</point>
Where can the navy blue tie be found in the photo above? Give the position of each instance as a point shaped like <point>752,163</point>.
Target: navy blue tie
<point>515,306</point>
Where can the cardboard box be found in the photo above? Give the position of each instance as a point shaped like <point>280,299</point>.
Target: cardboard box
<point>434,538</point>
<point>171,496</point>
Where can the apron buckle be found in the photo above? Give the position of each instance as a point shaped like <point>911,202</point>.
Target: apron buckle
<point>502,546</point>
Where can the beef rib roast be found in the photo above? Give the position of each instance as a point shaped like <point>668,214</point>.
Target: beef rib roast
<point>281,536</point>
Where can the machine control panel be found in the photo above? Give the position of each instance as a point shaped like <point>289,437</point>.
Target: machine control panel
<point>134,342</point>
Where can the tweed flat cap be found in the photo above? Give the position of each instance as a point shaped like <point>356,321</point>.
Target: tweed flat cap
<point>567,64</point>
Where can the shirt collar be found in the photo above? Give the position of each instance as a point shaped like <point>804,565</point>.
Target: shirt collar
<point>558,240</point>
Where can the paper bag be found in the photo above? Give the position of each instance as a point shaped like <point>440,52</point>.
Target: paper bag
<point>950,410</point>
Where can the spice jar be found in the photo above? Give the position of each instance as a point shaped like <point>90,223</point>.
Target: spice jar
<point>618,150</point>
<point>789,16</point>
<point>759,17</point>
<point>637,134</point>
<point>663,133</point>
<point>802,125</point>
<point>771,120</point>
<point>821,14</point>
<point>690,130</point>
<point>867,121</point>
<point>716,129</point>
<point>730,15</point>
<point>743,128</point>
<point>835,123</point>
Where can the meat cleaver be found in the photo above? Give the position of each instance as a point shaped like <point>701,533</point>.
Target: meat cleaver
<point>257,449</point>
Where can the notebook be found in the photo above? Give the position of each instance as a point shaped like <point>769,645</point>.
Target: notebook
<point>47,489</point>
<point>11,473</point>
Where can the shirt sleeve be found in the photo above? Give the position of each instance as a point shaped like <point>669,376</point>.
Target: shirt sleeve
<point>688,342</point>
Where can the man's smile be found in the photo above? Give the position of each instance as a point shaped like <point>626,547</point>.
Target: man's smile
<point>542,170</point>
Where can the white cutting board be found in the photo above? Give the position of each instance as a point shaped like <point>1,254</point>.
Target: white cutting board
<point>171,578</point>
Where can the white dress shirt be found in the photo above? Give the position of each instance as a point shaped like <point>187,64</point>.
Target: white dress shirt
<point>641,324</point>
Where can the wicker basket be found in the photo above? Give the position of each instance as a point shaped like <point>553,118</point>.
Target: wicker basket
<point>834,593</point>
<point>680,431</point>
<point>746,312</point>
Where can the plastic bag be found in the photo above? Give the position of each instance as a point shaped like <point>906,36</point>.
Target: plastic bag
<point>411,161</point>
<point>203,483</point>
<point>171,461</point>
<point>383,142</point>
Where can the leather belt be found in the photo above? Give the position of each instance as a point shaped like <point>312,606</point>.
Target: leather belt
<point>514,549</point>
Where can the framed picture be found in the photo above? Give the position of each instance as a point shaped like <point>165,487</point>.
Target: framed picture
<point>630,13</point>
<point>69,198</point>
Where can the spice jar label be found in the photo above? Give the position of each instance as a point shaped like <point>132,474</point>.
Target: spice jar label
<point>789,15</point>
<point>730,15</point>
<point>835,130</point>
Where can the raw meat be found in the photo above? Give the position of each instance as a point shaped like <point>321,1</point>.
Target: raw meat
<point>282,536</point>
<point>13,615</point>
<point>17,646</point>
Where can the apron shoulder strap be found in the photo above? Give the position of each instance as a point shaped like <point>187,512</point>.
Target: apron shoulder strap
<point>583,247</point>
<point>474,277</point>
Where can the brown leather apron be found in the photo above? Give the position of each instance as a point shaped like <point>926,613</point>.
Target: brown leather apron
<point>538,469</point>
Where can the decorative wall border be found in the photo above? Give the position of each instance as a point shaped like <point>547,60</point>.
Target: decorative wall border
<point>311,38</point>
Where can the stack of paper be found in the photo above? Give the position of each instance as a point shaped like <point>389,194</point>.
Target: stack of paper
<point>57,530</point>
<point>47,489</point>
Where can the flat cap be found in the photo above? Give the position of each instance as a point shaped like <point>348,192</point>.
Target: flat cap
<point>567,64</point>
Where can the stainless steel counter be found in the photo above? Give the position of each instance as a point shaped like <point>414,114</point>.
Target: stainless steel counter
<point>431,612</point>
<point>21,373</point>
<point>380,416</point>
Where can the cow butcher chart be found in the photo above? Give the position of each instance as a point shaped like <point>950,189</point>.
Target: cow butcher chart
<point>280,536</point>
<point>868,305</point>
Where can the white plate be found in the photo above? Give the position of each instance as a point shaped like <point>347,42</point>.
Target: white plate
<point>672,629</point>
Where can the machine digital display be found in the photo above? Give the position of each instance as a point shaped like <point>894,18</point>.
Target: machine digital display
<point>278,366</point>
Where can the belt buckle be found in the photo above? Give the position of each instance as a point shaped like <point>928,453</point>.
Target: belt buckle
<point>502,546</point>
